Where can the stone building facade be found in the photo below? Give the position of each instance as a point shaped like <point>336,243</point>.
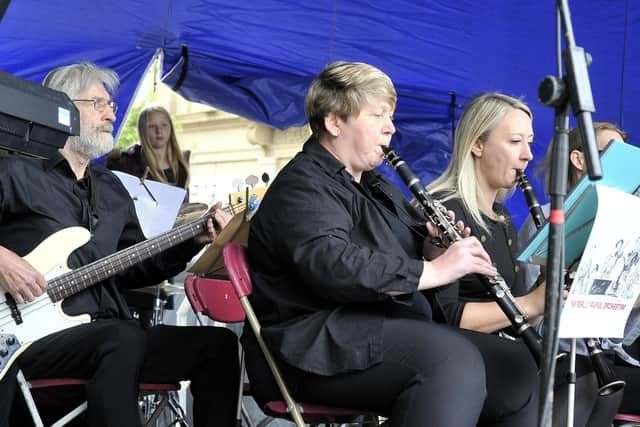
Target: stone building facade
<point>226,149</point>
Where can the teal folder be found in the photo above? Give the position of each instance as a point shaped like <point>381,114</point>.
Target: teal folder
<point>621,170</point>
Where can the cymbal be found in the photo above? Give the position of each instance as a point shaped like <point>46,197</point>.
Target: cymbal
<point>164,288</point>
<point>237,231</point>
<point>190,212</point>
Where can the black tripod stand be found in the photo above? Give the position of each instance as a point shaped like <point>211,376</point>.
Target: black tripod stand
<point>559,92</point>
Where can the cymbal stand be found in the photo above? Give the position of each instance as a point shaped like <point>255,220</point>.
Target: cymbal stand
<point>158,308</point>
<point>150,402</point>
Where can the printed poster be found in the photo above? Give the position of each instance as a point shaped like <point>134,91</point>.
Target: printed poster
<point>607,282</point>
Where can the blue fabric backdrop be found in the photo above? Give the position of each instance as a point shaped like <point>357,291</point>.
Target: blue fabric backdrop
<point>256,58</point>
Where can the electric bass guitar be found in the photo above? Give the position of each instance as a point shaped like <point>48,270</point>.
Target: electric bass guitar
<point>22,324</point>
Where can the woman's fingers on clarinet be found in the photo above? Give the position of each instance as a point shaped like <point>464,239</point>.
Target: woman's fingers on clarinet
<point>434,231</point>
<point>464,231</point>
<point>452,217</point>
<point>476,248</point>
<point>478,265</point>
<point>471,256</point>
<point>484,266</point>
<point>451,214</point>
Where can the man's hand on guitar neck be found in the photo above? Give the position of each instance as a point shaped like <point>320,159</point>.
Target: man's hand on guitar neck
<point>209,236</point>
<point>221,215</point>
<point>221,218</point>
<point>19,278</point>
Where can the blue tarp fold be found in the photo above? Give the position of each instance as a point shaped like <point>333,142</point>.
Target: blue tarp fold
<point>257,58</point>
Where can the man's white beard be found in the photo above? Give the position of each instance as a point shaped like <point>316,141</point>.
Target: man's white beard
<point>92,143</point>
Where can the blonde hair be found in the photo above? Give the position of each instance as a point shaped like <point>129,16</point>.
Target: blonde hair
<point>345,88</point>
<point>480,117</point>
<point>174,153</point>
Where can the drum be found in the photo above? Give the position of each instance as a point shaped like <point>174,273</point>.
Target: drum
<point>190,212</point>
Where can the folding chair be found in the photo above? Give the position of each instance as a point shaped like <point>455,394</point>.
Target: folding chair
<point>166,399</point>
<point>50,383</point>
<point>216,299</point>
<point>235,261</point>
<point>626,420</point>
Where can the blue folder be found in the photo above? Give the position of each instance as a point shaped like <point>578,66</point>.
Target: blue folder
<point>621,170</point>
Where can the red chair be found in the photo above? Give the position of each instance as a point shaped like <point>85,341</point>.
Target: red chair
<point>626,420</point>
<point>235,261</point>
<point>165,394</point>
<point>216,299</point>
<point>54,385</point>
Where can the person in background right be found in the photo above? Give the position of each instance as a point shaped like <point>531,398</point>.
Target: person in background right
<point>587,399</point>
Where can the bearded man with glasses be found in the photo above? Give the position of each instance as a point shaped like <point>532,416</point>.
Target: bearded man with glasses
<point>41,197</point>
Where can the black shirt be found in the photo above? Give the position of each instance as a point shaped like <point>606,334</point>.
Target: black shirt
<point>323,251</point>
<point>501,245</point>
<point>40,197</point>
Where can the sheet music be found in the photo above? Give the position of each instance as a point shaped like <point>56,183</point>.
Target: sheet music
<point>607,282</point>
<point>620,166</point>
<point>155,216</point>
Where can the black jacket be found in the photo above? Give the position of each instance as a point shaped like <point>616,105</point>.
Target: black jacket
<point>323,250</point>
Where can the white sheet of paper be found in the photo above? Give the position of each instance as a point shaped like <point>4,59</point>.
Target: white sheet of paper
<point>158,216</point>
<point>607,282</point>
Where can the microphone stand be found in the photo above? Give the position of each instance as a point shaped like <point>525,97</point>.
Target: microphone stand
<point>574,89</point>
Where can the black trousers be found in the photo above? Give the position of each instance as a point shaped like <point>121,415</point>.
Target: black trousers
<point>631,374</point>
<point>116,355</point>
<point>430,375</point>
<point>590,409</point>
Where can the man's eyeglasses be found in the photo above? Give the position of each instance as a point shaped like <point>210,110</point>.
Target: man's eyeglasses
<point>99,104</point>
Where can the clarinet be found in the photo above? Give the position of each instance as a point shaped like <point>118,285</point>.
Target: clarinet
<point>436,212</point>
<point>608,383</point>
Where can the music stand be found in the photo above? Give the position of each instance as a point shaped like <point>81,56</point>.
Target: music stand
<point>210,262</point>
<point>619,160</point>
<point>157,204</point>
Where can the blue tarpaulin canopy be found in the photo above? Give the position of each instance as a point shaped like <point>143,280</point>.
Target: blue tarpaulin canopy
<point>257,58</point>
